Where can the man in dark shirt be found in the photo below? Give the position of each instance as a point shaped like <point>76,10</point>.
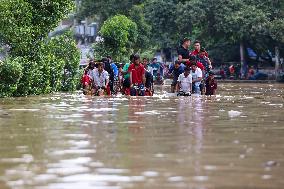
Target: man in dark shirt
<point>183,52</point>
<point>175,71</point>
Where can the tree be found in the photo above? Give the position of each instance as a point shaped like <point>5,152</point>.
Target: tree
<point>106,9</point>
<point>161,15</point>
<point>120,35</point>
<point>34,62</point>
<point>32,19</point>
<point>137,15</point>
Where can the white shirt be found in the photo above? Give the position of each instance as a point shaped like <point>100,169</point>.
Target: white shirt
<point>99,79</point>
<point>185,82</point>
<point>196,74</point>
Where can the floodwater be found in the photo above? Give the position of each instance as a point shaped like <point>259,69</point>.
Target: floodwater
<point>67,141</point>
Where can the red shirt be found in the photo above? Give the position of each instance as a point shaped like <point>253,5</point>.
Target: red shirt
<point>86,80</point>
<point>137,73</point>
<point>198,64</point>
<point>195,53</point>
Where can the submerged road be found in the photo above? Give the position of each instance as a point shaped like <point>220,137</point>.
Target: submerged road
<point>232,140</point>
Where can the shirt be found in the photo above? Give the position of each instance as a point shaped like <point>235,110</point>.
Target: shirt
<point>99,79</point>
<point>125,69</point>
<point>211,86</point>
<point>196,74</point>
<point>115,69</point>
<point>183,52</point>
<point>137,73</point>
<point>195,53</point>
<point>185,82</point>
<point>155,69</point>
<point>176,72</point>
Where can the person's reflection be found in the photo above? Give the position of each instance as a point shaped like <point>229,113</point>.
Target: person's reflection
<point>191,120</point>
<point>135,114</point>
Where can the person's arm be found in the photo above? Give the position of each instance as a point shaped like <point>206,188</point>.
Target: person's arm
<point>190,84</point>
<point>107,80</point>
<point>209,62</point>
<point>178,86</point>
<point>130,78</point>
<point>144,78</point>
<point>180,59</point>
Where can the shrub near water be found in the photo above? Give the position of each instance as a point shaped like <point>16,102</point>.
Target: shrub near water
<point>54,67</point>
<point>10,73</point>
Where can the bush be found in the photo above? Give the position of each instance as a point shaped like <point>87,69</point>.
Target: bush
<point>10,74</point>
<point>55,67</point>
<point>64,58</point>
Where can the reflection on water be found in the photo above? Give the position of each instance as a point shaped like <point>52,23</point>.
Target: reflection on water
<point>233,140</point>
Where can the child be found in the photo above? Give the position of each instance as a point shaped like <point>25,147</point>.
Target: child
<point>211,85</point>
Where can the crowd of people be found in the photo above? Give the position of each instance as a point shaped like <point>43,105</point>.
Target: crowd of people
<point>191,74</point>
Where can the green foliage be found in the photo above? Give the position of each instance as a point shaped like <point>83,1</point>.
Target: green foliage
<point>107,8</point>
<point>10,74</point>
<point>64,58</point>
<point>100,50</point>
<point>137,15</point>
<point>55,68</point>
<point>120,35</point>
<point>30,18</point>
<point>162,17</point>
<point>43,65</point>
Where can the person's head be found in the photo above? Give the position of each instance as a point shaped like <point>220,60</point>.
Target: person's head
<point>104,60</point>
<point>194,66</point>
<point>100,66</point>
<point>91,64</point>
<point>154,60</point>
<point>186,42</point>
<point>109,58</point>
<point>211,75</point>
<point>192,58</point>
<point>136,59</point>
<point>186,72</point>
<point>131,58</point>
<point>197,45</point>
<point>177,64</point>
<point>145,61</point>
<point>202,52</point>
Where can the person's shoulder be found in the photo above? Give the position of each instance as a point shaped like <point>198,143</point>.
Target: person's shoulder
<point>180,49</point>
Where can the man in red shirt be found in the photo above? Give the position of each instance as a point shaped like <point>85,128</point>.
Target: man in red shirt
<point>197,48</point>
<point>137,77</point>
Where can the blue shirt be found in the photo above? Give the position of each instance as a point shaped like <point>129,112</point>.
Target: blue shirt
<point>115,69</point>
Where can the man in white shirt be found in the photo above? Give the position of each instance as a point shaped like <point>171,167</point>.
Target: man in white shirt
<point>196,78</point>
<point>100,79</point>
<point>185,83</point>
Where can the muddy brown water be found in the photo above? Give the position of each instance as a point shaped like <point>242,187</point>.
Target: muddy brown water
<point>67,141</point>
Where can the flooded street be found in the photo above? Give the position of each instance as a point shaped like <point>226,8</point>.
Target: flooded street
<point>231,141</point>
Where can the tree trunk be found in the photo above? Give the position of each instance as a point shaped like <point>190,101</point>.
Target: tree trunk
<point>242,57</point>
<point>277,62</point>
